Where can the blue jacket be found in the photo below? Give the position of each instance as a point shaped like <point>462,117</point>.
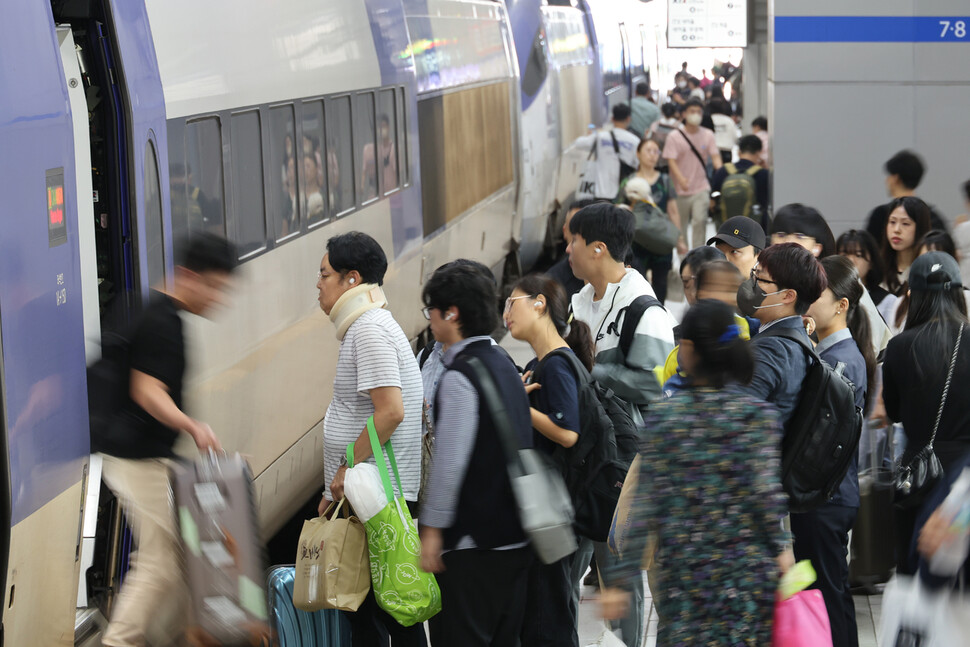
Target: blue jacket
<point>840,347</point>
<point>780,366</point>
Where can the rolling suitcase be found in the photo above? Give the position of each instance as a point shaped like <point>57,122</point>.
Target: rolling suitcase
<point>223,555</point>
<point>295,628</point>
<point>873,554</point>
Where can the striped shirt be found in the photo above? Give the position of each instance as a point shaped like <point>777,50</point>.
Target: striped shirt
<point>374,353</point>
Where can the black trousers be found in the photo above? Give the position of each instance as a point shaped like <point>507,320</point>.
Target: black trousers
<point>550,608</point>
<point>822,536</point>
<point>482,598</point>
<point>372,626</point>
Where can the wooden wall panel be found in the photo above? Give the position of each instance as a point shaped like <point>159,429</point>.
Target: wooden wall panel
<point>466,150</point>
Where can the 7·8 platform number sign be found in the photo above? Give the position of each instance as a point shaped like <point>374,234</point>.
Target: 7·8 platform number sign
<point>950,29</point>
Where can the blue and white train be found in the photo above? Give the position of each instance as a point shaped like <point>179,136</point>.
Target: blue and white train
<point>440,127</point>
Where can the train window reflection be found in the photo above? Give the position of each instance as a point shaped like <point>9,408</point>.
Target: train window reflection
<point>402,138</point>
<point>154,238</point>
<point>283,198</point>
<point>340,156</point>
<point>248,214</point>
<point>312,180</point>
<point>365,126</point>
<point>198,182</point>
<point>387,142</point>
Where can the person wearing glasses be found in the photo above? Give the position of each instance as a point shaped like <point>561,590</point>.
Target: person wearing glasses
<point>785,282</point>
<point>377,376</point>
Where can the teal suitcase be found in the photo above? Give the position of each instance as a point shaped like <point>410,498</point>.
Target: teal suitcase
<point>295,628</point>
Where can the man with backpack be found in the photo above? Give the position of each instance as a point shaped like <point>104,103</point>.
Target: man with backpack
<point>136,440</point>
<point>743,185</point>
<point>612,156</point>
<point>632,334</point>
<point>816,405</point>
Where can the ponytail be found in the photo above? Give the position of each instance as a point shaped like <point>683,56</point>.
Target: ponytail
<point>580,340</point>
<point>861,329</point>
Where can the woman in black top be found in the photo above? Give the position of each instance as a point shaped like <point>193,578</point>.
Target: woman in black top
<point>915,369</point>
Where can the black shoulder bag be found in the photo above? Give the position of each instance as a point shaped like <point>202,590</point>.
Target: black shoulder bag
<point>914,481</point>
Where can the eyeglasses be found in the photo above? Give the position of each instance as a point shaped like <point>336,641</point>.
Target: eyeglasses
<point>754,275</point>
<point>508,302</point>
<point>426,311</point>
<point>687,281</point>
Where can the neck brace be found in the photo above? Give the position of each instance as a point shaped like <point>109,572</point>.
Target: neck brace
<point>353,303</point>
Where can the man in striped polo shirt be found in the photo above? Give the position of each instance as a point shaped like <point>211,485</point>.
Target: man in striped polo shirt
<point>377,375</point>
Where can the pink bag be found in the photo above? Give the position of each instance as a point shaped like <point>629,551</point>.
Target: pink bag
<point>801,621</point>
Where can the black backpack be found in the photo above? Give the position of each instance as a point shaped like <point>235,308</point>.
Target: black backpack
<point>595,467</point>
<point>625,169</point>
<point>632,314</point>
<point>823,433</point>
<point>108,386</point>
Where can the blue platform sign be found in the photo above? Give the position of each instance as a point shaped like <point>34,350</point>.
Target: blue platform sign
<point>872,29</point>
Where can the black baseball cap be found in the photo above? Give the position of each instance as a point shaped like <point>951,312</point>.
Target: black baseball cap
<point>740,231</point>
<point>934,271</point>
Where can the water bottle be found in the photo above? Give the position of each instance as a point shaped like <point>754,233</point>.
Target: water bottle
<point>953,552</point>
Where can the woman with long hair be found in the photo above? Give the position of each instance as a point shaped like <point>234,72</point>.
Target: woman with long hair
<point>710,470</point>
<point>861,248</point>
<point>823,533</point>
<point>909,220</point>
<point>536,312</point>
<point>915,370</point>
<point>935,240</point>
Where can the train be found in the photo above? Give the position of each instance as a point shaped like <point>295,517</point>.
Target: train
<point>442,128</point>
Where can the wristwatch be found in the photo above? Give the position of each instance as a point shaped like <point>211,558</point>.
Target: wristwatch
<point>343,462</point>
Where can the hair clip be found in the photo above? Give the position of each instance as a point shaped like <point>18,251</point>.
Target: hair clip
<point>730,333</point>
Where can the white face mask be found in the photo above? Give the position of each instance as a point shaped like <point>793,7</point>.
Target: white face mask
<point>694,119</point>
<point>681,84</point>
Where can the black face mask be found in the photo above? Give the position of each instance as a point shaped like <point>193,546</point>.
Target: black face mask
<point>751,296</point>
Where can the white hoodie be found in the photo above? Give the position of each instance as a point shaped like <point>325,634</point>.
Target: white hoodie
<point>631,377</point>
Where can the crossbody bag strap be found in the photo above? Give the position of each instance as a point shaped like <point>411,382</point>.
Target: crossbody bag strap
<point>691,144</point>
<point>503,426</point>
<point>946,388</point>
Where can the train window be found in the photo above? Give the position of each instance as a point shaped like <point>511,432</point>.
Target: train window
<point>387,144</point>
<point>154,235</point>
<point>365,127</point>
<point>199,180</point>
<point>340,156</point>
<point>283,172</point>
<point>536,68</point>
<point>248,215</point>
<point>402,138</point>
<point>312,180</point>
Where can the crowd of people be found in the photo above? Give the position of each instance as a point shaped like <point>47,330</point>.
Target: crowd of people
<point>714,397</point>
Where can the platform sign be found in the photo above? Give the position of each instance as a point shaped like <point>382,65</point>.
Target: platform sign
<point>707,23</point>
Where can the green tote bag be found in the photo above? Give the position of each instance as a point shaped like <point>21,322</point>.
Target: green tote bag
<point>402,589</point>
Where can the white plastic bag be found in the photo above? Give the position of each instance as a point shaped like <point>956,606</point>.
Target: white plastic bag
<point>607,639</point>
<point>912,614</point>
<point>364,490</point>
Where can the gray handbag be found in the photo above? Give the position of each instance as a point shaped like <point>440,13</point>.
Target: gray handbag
<point>545,510</point>
<point>653,230</point>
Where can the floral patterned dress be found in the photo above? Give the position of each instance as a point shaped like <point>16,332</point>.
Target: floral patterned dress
<point>710,487</point>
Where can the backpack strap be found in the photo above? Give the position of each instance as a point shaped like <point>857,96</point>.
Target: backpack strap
<point>793,335</point>
<point>616,144</point>
<point>730,168</point>
<point>425,353</point>
<point>753,170</point>
<point>631,319</point>
<point>582,375</point>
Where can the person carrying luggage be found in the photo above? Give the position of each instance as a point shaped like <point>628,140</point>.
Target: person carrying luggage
<point>136,442</point>
<point>471,535</point>
<point>708,489</point>
<point>377,376</point>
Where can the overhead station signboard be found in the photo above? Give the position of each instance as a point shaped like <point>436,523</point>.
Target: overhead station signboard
<point>707,23</point>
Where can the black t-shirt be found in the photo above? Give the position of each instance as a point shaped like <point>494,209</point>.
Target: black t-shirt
<point>563,274</point>
<point>158,350</point>
<point>558,397</point>
<point>878,217</point>
<point>914,399</point>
